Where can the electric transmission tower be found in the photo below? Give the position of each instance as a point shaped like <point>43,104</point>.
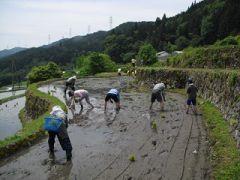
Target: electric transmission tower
<point>49,38</point>
<point>89,29</point>
<point>110,22</point>
<point>70,32</point>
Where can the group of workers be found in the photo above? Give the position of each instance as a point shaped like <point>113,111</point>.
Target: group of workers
<point>76,96</point>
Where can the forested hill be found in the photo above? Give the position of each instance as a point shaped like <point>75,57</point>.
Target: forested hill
<point>8,52</point>
<point>202,23</point>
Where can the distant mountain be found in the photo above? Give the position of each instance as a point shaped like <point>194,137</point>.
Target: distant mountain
<point>8,52</point>
<point>201,24</point>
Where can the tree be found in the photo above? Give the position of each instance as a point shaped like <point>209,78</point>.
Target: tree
<point>148,54</point>
<point>94,63</point>
<point>207,29</point>
<point>182,42</point>
<point>42,73</point>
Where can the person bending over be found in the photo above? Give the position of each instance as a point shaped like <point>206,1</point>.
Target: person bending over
<point>62,134</point>
<point>70,83</point>
<point>78,96</point>
<point>113,95</point>
<point>158,94</point>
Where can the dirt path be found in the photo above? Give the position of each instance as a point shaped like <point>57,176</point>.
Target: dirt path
<point>103,142</point>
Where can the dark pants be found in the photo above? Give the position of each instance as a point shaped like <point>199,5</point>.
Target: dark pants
<point>69,85</point>
<point>64,142</point>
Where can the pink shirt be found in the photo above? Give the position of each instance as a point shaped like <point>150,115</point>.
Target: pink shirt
<point>81,93</point>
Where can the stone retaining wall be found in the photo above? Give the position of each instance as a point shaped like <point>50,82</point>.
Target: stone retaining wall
<point>221,87</point>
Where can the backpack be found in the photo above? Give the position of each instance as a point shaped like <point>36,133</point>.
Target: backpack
<point>52,123</point>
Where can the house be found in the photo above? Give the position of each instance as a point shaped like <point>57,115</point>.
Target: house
<point>162,56</point>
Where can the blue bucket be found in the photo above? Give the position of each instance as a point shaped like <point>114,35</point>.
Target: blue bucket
<point>52,124</point>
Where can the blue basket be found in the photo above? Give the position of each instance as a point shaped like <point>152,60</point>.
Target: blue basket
<point>52,124</point>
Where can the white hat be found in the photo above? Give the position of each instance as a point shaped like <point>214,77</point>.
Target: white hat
<point>58,112</point>
<point>119,70</point>
<point>55,109</point>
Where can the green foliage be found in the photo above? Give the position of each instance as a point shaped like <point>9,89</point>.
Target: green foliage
<point>94,63</point>
<point>211,57</point>
<point>154,125</point>
<point>233,79</point>
<point>225,157</point>
<point>207,27</point>
<point>182,42</point>
<point>230,40</point>
<point>42,73</point>
<point>132,158</point>
<point>170,47</point>
<point>148,54</point>
<point>128,57</point>
<point>11,98</point>
<point>31,130</point>
<point>202,24</point>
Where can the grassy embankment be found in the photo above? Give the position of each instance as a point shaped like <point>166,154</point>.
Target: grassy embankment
<point>224,156</point>
<point>31,130</point>
<point>11,98</point>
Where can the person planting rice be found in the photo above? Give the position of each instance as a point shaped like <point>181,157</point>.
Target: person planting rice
<point>70,83</point>
<point>158,94</point>
<point>78,96</point>
<point>56,125</point>
<point>113,95</point>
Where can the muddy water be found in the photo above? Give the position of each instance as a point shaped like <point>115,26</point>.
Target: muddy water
<point>103,141</point>
<point>11,93</point>
<point>9,121</point>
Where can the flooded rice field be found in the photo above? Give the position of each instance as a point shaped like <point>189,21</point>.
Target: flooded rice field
<point>11,93</point>
<point>9,121</point>
<point>104,141</point>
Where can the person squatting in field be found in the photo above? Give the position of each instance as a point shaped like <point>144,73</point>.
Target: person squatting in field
<point>158,94</point>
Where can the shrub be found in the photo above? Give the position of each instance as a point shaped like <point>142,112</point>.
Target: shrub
<point>148,54</point>
<point>94,63</point>
<point>42,73</point>
<point>230,40</point>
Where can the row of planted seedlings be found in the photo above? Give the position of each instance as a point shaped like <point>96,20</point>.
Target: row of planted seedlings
<point>38,105</point>
<point>220,92</point>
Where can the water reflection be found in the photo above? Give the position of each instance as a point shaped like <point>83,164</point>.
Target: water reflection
<point>9,120</point>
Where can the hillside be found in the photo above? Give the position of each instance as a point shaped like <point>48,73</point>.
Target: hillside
<point>8,52</point>
<point>203,23</point>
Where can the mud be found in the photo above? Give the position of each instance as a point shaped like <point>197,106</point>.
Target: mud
<point>103,142</point>
<point>9,120</point>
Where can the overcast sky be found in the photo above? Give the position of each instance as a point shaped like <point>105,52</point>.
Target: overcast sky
<point>28,23</point>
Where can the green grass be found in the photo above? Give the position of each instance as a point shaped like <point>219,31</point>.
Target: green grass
<point>224,155</point>
<point>31,129</point>
<point>108,74</point>
<point>230,71</point>
<point>11,98</point>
